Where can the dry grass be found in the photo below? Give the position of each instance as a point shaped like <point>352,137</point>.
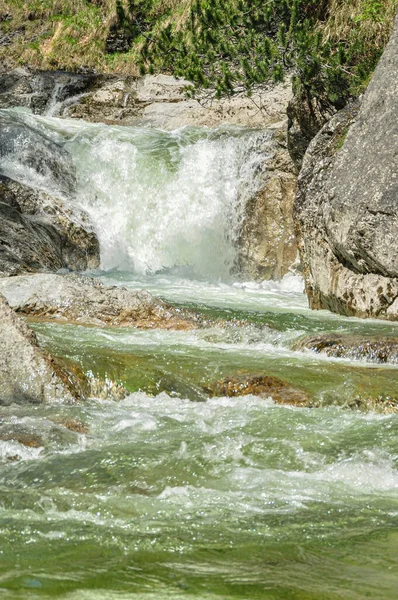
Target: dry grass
<point>71,35</point>
<point>347,16</point>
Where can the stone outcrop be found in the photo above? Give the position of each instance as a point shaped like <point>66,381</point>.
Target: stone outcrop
<point>267,243</point>
<point>355,347</point>
<point>156,100</point>
<point>27,374</point>
<point>38,233</point>
<point>37,229</point>
<point>42,91</point>
<point>346,209</point>
<point>83,300</point>
<point>265,386</point>
<point>27,154</point>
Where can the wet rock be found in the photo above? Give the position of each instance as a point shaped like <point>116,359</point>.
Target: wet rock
<point>83,300</point>
<point>380,404</point>
<point>37,232</point>
<point>27,154</point>
<point>27,374</point>
<point>346,210</point>
<point>267,243</point>
<point>40,91</point>
<point>374,349</point>
<point>73,425</point>
<point>260,385</point>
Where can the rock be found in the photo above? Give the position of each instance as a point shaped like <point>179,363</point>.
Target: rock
<point>27,374</point>
<point>37,232</point>
<point>31,157</point>
<point>83,300</point>
<point>42,91</point>
<point>157,100</point>
<point>267,243</point>
<point>260,385</point>
<point>374,349</point>
<point>346,209</point>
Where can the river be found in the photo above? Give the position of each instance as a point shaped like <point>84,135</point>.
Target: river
<point>168,494</point>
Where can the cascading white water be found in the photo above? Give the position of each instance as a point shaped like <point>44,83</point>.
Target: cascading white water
<point>162,201</point>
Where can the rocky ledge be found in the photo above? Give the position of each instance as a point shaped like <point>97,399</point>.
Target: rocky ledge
<point>355,347</point>
<point>27,374</point>
<point>38,229</point>
<point>346,210</point>
<point>87,301</point>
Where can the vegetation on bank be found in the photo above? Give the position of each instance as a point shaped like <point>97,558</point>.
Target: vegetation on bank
<point>330,46</point>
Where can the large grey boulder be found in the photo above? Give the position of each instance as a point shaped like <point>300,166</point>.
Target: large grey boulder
<point>39,233</point>
<point>27,374</point>
<point>346,209</point>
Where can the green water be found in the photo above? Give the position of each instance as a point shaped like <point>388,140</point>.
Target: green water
<point>172,495</point>
<point>169,495</point>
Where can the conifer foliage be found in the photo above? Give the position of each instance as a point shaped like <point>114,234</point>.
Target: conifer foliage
<point>234,45</point>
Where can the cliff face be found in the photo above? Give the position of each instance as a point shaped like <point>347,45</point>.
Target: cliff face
<point>346,209</point>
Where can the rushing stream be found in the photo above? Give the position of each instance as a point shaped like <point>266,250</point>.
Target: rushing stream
<point>169,494</point>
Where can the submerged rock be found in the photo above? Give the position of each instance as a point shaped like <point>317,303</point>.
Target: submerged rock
<point>375,349</point>
<point>346,209</point>
<point>83,300</point>
<point>265,386</point>
<point>27,374</point>
<point>37,232</point>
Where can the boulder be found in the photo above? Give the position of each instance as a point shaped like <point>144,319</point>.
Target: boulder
<point>38,233</point>
<point>265,386</point>
<point>27,374</point>
<point>356,347</point>
<point>83,300</point>
<point>31,157</point>
<point>346,210</point>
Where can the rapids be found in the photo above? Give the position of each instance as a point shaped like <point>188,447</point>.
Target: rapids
<point>168,494</point>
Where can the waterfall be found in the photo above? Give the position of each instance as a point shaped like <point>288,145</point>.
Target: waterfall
<point>162,201</point>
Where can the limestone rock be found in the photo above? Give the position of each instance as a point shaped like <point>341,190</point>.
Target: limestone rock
<point>83,300</point>
<point>42,91</point>
<point>37,232</point>
<point>27,154</point>
<point>267,243</point>
<point>26,372</point>
<point>346,209</point>
<point>356,347</point>
<point>260,385</point>
<point>157,100</point>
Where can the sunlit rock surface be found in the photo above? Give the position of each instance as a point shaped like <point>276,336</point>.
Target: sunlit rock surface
<point>372,349</point>
<point>27,374</point>
<point>87,301</point>
<point>347,205</point>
